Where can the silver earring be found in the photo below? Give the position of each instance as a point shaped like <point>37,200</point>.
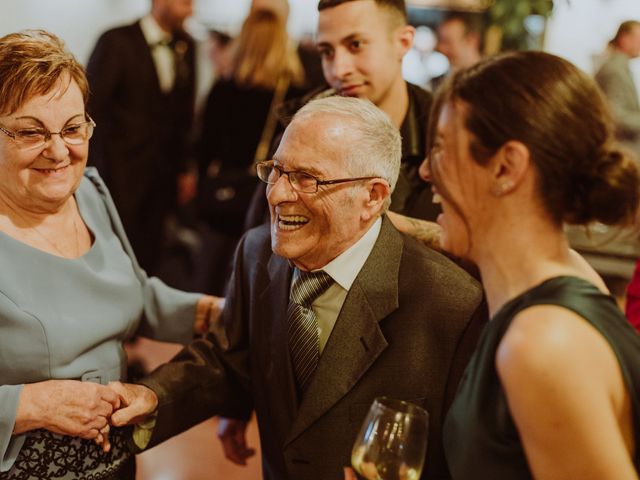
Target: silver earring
<point>502,188</point>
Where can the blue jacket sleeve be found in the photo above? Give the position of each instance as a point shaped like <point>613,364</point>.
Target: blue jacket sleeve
<point>10,445</point>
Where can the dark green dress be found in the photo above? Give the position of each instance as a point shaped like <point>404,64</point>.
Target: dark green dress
<point>480,438</point>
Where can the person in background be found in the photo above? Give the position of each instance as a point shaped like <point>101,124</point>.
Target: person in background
<point>552,389</point>
<point>72,290</point>
<point>239,119</point>
<point>362,44</point>
<point>616,81</point>
<point>324,308</point>
<point>459,39</point>
<point>305,47</point>
<point>142,79</point>
<point>220,53</point>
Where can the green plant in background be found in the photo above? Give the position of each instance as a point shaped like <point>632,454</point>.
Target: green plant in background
<point>506,24</point>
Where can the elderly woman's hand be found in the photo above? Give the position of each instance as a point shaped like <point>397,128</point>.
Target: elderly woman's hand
<point>208,311</point>
<point>67,407</point>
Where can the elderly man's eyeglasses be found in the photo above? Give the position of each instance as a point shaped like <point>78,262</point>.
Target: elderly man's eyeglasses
<point>34,137</point>
<point>303,182</point>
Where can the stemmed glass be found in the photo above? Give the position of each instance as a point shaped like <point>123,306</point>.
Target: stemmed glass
<point>392,442</point>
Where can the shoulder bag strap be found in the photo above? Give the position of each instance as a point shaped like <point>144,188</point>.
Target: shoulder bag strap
<point>270,123</point>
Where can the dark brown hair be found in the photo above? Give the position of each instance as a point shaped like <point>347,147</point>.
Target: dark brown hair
<point>31,62</point>
<point>558,112</point>
<point>395,6</point>
<point>472,22</point>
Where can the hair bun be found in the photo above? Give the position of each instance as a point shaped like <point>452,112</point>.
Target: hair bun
<point>609,193</point>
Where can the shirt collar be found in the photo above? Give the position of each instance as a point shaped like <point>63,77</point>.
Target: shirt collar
<point>152,32</point>
<point>345,267</point>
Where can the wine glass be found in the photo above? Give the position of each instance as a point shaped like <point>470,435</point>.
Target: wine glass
<point>392,442</point>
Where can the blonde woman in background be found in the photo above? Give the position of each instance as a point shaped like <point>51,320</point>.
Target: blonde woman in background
<point>264,70</point>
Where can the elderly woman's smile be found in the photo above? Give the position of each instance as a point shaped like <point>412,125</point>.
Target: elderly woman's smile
<point>43,176</point>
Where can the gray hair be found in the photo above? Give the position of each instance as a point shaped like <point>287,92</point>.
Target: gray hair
<point>378,150</point>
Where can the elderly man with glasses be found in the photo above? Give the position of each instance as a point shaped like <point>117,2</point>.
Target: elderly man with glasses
<point>329,307</point>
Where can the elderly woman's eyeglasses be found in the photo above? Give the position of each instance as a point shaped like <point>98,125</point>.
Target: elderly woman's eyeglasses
<point>303,182</point>
<point>35,137</point>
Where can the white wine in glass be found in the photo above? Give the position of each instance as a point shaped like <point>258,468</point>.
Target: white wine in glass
<point>392,442</point>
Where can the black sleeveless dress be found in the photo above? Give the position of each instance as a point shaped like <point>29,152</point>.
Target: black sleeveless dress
<point>480,437</point>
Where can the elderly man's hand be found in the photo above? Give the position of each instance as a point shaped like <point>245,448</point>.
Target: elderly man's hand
<point>137,401</point>
<point>232,435</point>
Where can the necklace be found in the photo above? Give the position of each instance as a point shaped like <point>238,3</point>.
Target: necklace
<point>50,242</point>
<point>76,236</point>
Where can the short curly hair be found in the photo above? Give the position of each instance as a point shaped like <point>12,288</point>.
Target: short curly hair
<point>31,62</point>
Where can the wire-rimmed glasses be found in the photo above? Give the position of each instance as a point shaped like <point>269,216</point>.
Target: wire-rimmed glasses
<point>301,181</point>
<point>35,137</point>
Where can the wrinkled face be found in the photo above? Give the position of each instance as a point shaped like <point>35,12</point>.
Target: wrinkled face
<point>460,184</point>
<point>311,229</point>
<point>452,42</point>
<point>43,178</point>
<point>360,49</point>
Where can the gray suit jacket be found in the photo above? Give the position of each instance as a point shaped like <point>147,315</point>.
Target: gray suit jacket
<point>406,330</point>
<point>615,80</point>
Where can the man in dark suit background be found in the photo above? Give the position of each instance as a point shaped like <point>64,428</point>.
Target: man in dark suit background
<point>393,317</point>
<point>142,80</point>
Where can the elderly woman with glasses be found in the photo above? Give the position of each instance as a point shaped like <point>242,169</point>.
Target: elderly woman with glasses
<point>72,290</point>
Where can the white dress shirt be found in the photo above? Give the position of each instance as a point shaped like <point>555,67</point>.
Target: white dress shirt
<point>162,54</point>
<point>343,270</point>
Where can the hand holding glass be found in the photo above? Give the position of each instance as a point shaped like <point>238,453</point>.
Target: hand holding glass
<point>392,442</point>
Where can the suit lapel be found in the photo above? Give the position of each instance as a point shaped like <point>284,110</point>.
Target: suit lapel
<point>275,298</point>
<point>356,340</point>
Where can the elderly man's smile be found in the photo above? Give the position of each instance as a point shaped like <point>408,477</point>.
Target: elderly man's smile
<point>291,222</point>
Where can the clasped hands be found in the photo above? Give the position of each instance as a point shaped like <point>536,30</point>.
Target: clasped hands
<point>89,410</point>
<point>135,402</point>
<point>82,409</point>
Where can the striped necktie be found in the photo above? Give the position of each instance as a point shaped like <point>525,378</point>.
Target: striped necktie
<point>304,341</point>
